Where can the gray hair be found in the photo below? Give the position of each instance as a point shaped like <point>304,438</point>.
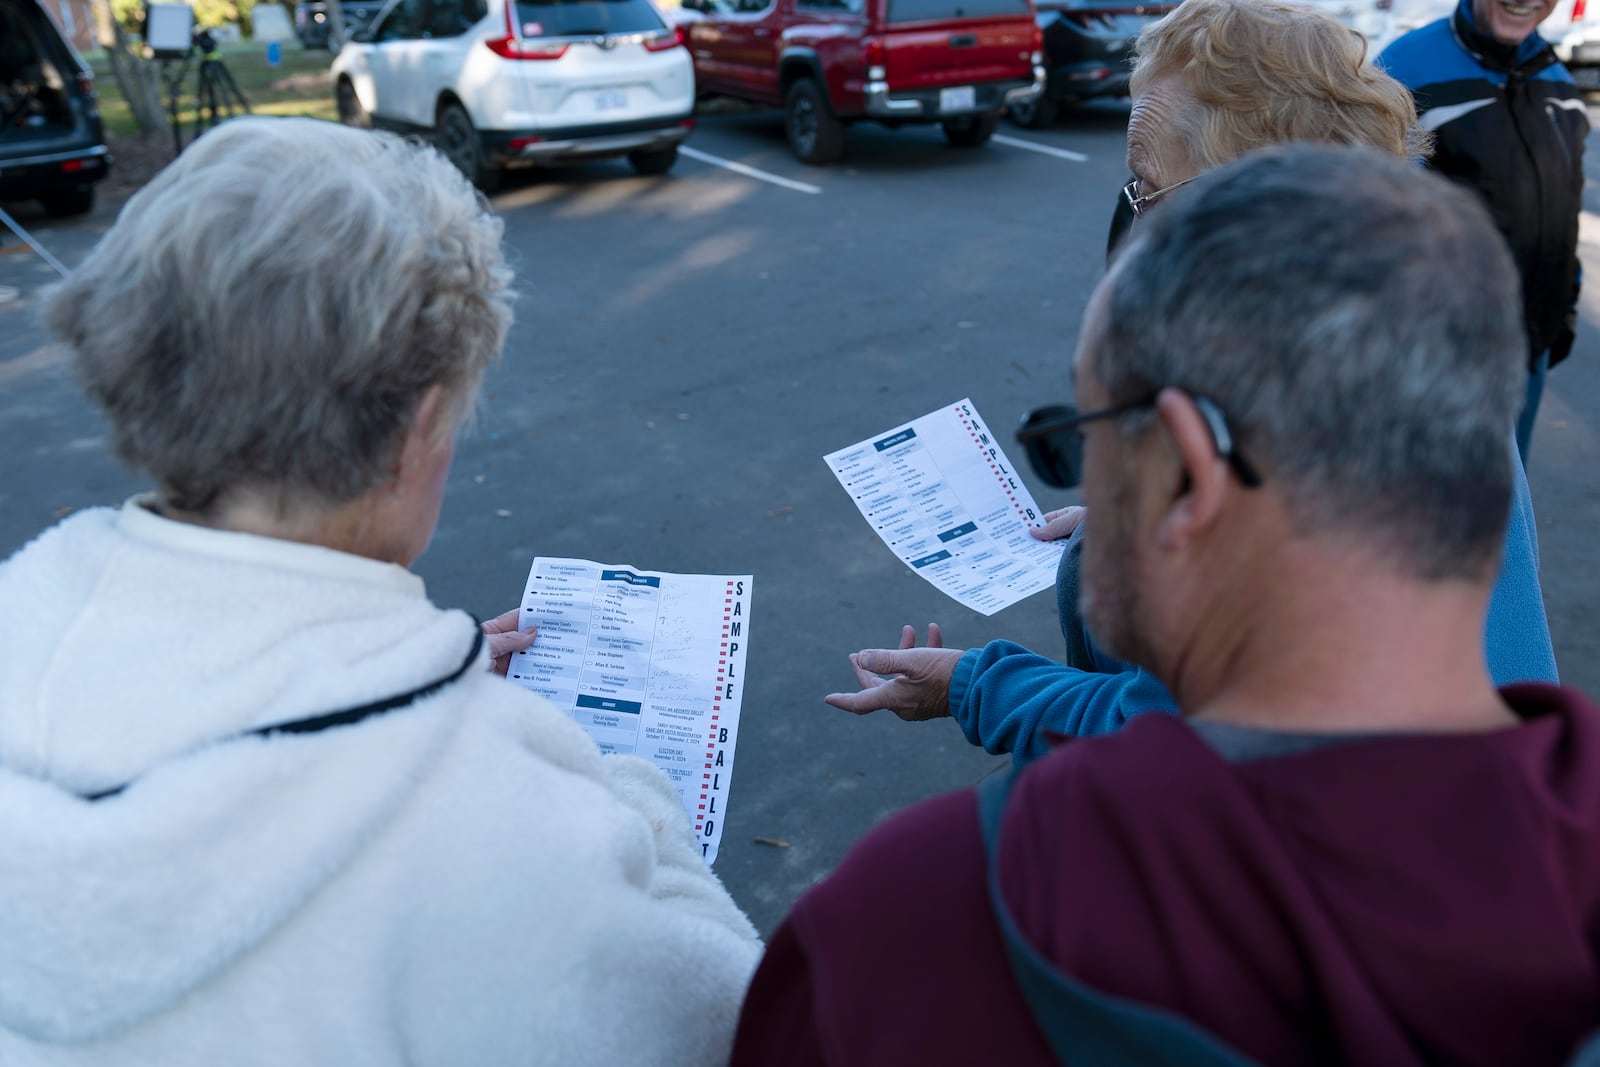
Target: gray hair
<point>1359,322</point>
<point>266,314</point>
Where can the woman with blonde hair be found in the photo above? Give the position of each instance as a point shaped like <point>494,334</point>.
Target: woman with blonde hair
<point>1217,79</point>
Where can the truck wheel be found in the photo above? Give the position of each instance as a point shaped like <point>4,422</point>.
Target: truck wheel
<point>970,133</point>
<point>63,203</point>
<point>457,141</point>
<point>815,136</point>
<point>351,113</point>
<point>658,161</point>
<point>1039,114</point>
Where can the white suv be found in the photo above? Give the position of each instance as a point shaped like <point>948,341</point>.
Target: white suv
<point>1576,37</point>
<point>518,83</point>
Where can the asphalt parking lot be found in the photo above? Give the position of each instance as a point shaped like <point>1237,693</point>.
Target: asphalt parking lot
<point>687,349</point>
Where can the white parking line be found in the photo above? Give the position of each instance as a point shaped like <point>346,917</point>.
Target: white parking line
<point>749,172</point>
<point>1033,146</point>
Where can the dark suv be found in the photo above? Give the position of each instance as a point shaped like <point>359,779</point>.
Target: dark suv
<point>311,23</point>
<point>1088,50</point>
<point>52,144</point>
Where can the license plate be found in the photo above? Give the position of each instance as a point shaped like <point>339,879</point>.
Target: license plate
<point>958,98</point>
<point>610,100</point>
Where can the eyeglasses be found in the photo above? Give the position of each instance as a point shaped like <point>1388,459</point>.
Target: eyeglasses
<point>1053,438</point>
<point>1138,204</point>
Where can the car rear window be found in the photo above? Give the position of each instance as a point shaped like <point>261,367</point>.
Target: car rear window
<point>586,18</point>
<point>36,76</point>
<point>1110,18</point>
<point>944,10</point>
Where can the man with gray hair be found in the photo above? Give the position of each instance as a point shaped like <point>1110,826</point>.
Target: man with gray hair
<point>1294,387</point>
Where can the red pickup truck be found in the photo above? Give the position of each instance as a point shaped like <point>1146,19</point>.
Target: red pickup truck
<point>959,63</point>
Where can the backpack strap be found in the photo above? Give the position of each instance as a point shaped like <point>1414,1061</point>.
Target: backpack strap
<point>1080,1025</point>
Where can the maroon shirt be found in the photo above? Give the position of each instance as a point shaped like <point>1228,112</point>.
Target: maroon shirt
<point>1398,900</point>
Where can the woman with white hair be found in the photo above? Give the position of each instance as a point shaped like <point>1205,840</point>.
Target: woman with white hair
<point>261,802</point>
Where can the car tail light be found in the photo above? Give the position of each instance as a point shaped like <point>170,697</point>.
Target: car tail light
<point>1579,9</point>
<point>517,48</point>
<point>664,40</point>
<point>517,144</point>
<point>86,80</point>
<point>876,55</point>
<point>72,165</point>
<point>513,47</point>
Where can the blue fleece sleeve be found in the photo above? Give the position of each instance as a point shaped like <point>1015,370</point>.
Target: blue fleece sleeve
<point>1006,698</point>
<point>1517,638</point>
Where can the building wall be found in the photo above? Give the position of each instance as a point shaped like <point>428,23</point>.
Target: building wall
<point>76,19</point>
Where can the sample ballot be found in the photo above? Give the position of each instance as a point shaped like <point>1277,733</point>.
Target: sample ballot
<point>650,664</point>
<point>942,495</point>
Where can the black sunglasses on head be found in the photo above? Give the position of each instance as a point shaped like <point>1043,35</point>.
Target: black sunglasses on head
<point>1053,438</point>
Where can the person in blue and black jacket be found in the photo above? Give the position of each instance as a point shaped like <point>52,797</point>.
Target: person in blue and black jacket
<point>1508,123</point>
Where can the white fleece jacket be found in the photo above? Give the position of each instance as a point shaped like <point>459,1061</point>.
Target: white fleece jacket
<point>461,881</point>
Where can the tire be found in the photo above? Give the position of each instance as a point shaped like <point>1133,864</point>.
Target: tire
<point>815,136</point>
<point>457,141</point>
<point>1038,114</point>
<point>65,203</point>
<point>351,113</point>
<point>970,133</point>
<point>655,161</point>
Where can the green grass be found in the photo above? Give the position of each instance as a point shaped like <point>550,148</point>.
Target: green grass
<point>293,87</point>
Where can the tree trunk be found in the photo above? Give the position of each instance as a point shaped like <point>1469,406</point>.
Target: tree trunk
<point>137,77</point>
<point>337,35</point>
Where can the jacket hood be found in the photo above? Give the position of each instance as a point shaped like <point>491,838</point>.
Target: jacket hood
<point>136,650</point>
<point>1400,900</point>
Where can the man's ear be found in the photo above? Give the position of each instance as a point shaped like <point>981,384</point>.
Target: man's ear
<point>422,434</point>
<point>1205,474</point>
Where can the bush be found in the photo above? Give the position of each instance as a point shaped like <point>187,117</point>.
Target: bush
<point>130,13</point>
<point>209,13</point>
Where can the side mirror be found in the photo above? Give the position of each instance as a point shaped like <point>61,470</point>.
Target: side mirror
<point>362,36</point>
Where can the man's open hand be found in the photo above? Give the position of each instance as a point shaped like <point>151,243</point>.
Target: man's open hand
<point>912,682</point>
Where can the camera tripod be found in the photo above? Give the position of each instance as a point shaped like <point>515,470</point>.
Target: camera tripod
<point>216,95</point>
